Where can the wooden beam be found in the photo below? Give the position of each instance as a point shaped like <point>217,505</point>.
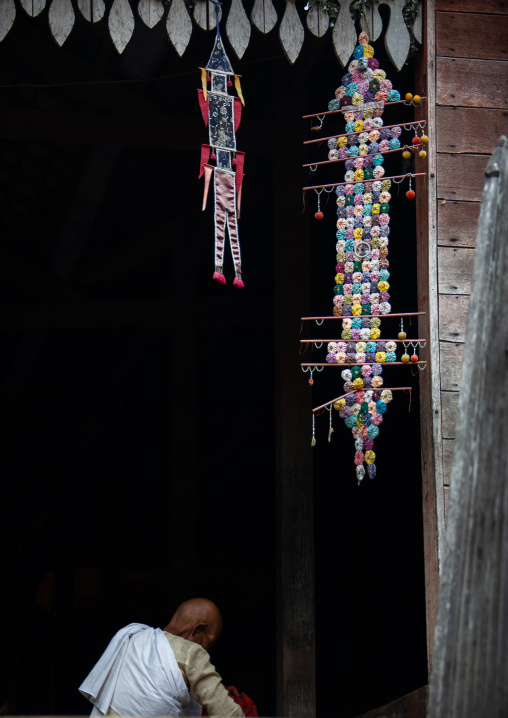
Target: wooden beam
<point>472,130</point>
<point>497,7</point>
<point>455,269</point>
<point>471,83</point>
<point>455,39</point>
<point>295,572</point>
<point>430,396</point>
<point>461,176</point>
<point>451,355</point>
<point>453,313</point>
<point>457,223</point>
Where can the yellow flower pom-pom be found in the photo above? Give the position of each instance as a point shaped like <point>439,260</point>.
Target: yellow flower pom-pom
<point>368,51</point>
<point>379,74</point>
<point>376,209</point>
<point>381,357</point>
<point>339,278</point>
<point>370,457</point>
<point>358,233</point>
<point>356,310</point>
<point>358,384</point>
<point>383,286</point>
<point>339,404</point>
<point>342,142</point>
<point>359,175</point>
<point>375,333</point>
<point>358,125</point>
<point>358,99</point>
<point>386,396</point>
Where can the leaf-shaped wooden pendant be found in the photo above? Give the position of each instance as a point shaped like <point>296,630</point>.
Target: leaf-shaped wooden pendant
<point>204,14</point>
<point>33,7</point>
<point>238,28</point>
<point>92,10</point>
<point>263,15</point>
<point>179,26</point>
<point>121,24</point>
<point>7,15</point>
<point>344,34</point>
<point>318,21</point>
<point>150,11</point>
<point>61,20</point>
<point>291,32</point>
<point>397,40</point>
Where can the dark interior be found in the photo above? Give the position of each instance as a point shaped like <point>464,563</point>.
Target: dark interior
<point>138,425</point>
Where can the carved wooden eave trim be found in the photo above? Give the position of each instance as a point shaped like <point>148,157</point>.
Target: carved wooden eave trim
<point>123,15</point>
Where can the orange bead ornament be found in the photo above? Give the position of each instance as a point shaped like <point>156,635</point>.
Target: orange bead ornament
<point>414,358</point>
<point>319,215</point>
<point>410,194</point>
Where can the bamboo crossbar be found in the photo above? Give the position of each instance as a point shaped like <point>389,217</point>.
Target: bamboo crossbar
<point>340,112</point>
<point>364,157</point>
<point>343,396</point>
<point>337,184</point>
<point>350,134</point>
<point>364,316</point>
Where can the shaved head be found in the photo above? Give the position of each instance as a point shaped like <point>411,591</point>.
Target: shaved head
<point>198,620</point>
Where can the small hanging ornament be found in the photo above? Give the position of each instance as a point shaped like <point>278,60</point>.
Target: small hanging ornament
<point>402,333</point>
<point>319,214</point>
<point>410,194</point>
<point>330,427</point>
<point>313,442</point>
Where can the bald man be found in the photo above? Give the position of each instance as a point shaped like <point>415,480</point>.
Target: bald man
<point>152,672</point>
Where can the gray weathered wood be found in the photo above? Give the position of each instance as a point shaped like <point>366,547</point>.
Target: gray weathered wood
<point>448,446</point>
<point>460,176</point>
<point>397,40</point>
<point>7,17</point>
<point>344,35</point>
<point>457,223</point>
<point>318,21</point>
<point>450,363</point>
<point>179,26</point>
<point>92,10</point>
<point>204,14</point>
<point>469,677</point>
<point>33,7</point>
<point>449,402</point>
<point>238,28</point>
<point>375,20</point>
<point>453,313</point>
<point>150,11</point>
<point>291,32</point>
<point>455,269</point>
<point>61,20</point>
<point>121,24</point>
<point>263,15</point>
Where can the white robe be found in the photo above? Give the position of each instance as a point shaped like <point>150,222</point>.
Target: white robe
<point>137,675</point>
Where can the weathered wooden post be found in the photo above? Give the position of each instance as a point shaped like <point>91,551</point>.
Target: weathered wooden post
<point>470,672</point>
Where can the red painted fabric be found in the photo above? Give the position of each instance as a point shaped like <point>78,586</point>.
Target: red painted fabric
<point>204,106</point>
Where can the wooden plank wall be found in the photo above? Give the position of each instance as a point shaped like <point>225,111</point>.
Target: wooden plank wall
<point>471,114</point>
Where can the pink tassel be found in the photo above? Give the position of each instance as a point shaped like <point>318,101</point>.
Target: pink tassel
<point>220,278</point>
<point>238,282</point>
